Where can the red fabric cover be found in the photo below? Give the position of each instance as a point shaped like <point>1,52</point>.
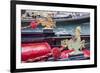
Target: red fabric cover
<point>56,53</point>
<point>33,24</point>
<point>86,53</point>
<point>65,53</point>
<point>34,50</point>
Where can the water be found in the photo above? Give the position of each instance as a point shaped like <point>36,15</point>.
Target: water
<point>65,28</point>
<point>70,27</point>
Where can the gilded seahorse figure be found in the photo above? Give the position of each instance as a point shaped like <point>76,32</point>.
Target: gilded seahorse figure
<point>75,42</point>
<point>48,22</point>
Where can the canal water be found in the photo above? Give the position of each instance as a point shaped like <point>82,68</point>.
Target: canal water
<point>63,28</point>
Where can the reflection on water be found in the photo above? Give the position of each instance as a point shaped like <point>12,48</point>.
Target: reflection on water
<point>70,27</point>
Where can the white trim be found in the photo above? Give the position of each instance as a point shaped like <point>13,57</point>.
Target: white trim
<point>51,64</point>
